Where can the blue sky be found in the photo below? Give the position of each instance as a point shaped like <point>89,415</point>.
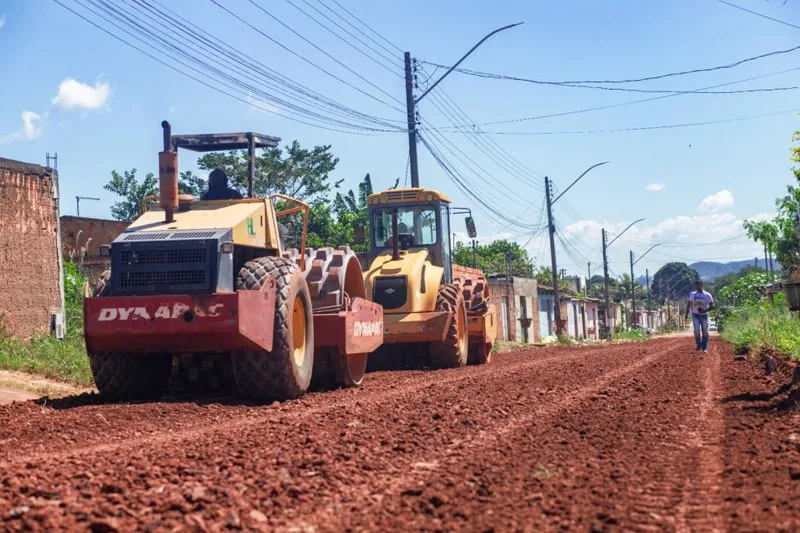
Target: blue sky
<point>99,103</point>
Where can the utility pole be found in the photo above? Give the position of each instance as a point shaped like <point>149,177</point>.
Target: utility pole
<point>411,102</point>
<point>589,273</point>
<point>78,202</point>
<point>551,229</point>
<point>411,117</point>
<point>649,300</point>
<point>756,260</point>
<point>475,253</point>
<point>605,282</point>
<point>633,294</point>
<point>605,263</point>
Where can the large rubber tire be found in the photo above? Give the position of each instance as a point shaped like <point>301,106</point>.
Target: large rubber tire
<point>121,376</point>
<point>453,351</point>
<point>285,372</point>
<point>333,370</point>
<point>202,373</point>
<point>480,353</point>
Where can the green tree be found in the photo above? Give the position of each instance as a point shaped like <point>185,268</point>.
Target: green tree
<point>131,191</point>
<point>674,281</point>
<point>746,289</point>
<point>294,171</point>
<point>492,257</point>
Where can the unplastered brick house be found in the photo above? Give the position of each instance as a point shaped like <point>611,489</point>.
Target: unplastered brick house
<point>31,290</point>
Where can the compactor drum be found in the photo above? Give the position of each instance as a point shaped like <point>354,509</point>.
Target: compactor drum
<point>431,317</point>
<point>202,294</point>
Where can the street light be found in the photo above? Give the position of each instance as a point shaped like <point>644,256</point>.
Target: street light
<point>411,102</point>
<point>605,271</point>
<point>552,230</point>
<point>633,290</point>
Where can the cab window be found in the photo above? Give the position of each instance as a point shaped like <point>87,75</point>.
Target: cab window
<point>417,223</point>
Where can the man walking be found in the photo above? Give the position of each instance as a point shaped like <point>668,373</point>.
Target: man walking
<point>700,302</point>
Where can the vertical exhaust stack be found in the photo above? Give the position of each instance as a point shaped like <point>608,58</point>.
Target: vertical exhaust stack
<point>168,175</point>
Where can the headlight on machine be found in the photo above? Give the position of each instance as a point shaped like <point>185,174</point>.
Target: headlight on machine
<point>226,247</point>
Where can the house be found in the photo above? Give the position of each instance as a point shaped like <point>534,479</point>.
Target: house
<point>82,238</point>
<point>31,278</point>
<point>517,302</point>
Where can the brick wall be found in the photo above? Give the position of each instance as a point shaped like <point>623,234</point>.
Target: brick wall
<point>81,238</point>
<point>29,272</point>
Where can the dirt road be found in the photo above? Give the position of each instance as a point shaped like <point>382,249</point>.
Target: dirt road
<point>643,437</point>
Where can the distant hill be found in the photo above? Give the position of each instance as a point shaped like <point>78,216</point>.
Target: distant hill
<point>710,270</point>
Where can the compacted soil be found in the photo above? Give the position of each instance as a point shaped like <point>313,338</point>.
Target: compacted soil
<point>625,437</point>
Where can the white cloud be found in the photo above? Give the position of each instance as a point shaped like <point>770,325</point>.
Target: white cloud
<point>717,202</point>
<point>656,187</point>
<point>29,129</point>
<point>72,94</point>
<point>2,19</point>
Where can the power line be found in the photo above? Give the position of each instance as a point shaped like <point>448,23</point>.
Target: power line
<point>227,54</point>
<point>306,60</point>
<point>367,26</point>
<point>759,14</point>
<point>632,102</point>
<point>382,64</point>
<point>569,83</point>
<point>521,170</point>
<point>171,65</point>
<point>646,128</point>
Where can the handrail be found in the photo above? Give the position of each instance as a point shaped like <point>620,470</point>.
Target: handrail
<point>301,206</point>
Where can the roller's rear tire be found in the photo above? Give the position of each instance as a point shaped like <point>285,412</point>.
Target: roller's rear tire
<point>333,370</point>
<point>121,376</point>
<point>285,372</point>
<point>452,352</point>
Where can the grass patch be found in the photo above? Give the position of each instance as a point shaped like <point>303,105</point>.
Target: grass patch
<point>64,360</point>
<point>764,325</point>
<point>46,356</point>
<point>631,335</point>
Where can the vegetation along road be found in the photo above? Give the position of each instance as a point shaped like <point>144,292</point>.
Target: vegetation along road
<point>639,436</point>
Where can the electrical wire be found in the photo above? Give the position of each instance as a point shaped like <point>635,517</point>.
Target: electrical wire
<point>381,62</point>
<point>583,83</point>
<point>171,65</point>
<point>759,14</point>
<point>308,61</point>
<point>633,102</point>
<point>646,128</point>
<point>367,26</point>
<point>224,55</point>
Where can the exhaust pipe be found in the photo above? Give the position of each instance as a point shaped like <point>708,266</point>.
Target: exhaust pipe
<point>168,176</point>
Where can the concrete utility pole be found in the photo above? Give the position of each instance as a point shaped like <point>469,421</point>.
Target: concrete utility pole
<point>551,229</point>
<point>605,282</point>
<point>411,117</point>
<point>411,102</point>
<point>649,301</point>
<point>633,287</point>
<point>605,266</point>
<point>589,272</point>
<point>633,295</point>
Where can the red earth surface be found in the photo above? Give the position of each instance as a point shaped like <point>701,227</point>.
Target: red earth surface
<point>625,437</point>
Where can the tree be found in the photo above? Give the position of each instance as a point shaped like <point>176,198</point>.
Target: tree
<point>492,257</point>
<point>133,193</point>
<point>674,281</point>
<point>299,173</point>
<point>746,289</point>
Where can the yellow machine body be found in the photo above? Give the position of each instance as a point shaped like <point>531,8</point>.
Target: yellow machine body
<point>252,221</point>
